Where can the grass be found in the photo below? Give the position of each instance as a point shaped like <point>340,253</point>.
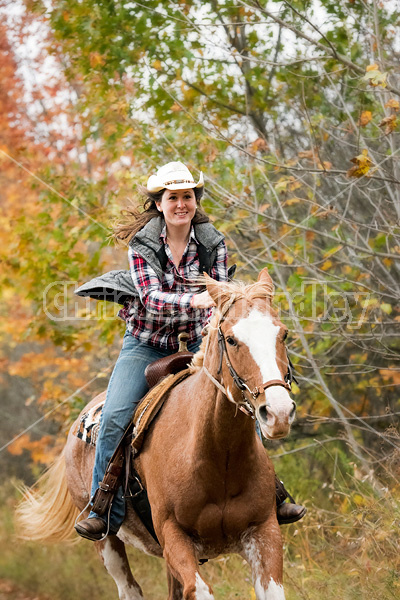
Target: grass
<point>346,548</point>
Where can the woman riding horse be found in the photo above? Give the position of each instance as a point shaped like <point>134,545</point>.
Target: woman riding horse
<point>170,244</point>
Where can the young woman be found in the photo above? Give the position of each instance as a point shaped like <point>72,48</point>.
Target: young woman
<point>170,243</point>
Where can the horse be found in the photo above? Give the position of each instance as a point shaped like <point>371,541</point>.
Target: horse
<point>210,482</point>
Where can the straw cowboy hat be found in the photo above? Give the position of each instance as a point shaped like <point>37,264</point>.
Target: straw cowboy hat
<point>173,176</point>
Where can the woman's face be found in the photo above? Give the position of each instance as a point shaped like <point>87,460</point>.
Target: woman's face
<point>178,207</point>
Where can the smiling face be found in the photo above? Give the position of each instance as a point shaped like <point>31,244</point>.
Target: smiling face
<point>178,207</point>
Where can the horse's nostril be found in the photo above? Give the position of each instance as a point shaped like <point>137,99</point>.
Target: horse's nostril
<point>293,411</point>
<point>263,412</point>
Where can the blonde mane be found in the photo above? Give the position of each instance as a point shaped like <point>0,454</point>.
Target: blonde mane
<point>228,293</point>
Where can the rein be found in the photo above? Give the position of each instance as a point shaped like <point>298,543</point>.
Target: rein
<point>245,405</point>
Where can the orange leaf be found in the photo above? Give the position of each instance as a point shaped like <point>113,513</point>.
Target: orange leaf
<point>392,103</point>
<point>325,165</point>
<point>389,123</point>
<point>259,144</point>
<point>307,154</point>
<point>365,118</point>
<point>95,59</point>
<point>19,445</point>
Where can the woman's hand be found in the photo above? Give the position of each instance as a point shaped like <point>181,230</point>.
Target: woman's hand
<point>202,300</point>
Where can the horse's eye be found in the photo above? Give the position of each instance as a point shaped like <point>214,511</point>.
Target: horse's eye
<point>285,335</point>
<point>231,341</point>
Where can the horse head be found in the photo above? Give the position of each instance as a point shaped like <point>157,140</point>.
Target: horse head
<point>253,361</point>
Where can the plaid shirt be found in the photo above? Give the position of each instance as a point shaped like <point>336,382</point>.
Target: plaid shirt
<point>163,310</point>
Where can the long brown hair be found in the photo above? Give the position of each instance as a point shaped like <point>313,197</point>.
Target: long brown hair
<point>133,219</point>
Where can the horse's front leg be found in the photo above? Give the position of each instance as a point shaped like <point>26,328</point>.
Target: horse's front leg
<point>175,590</point>
<point>262,548</point>
<point>182,562</point>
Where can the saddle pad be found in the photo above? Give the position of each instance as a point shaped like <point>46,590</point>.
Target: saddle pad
<point>150,406</point>
<point>89,425</point>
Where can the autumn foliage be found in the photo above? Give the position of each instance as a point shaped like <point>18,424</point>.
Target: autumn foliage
<point>292,116</point>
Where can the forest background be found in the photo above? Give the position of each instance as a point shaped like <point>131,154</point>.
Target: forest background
<point>291,110</point>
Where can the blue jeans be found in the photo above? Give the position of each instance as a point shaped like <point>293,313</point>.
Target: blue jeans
<point>126,387</point>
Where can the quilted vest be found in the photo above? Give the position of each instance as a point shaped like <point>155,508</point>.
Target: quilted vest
<point>117,286</point>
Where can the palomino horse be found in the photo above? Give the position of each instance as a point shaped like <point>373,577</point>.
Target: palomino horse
<point>209,480</point>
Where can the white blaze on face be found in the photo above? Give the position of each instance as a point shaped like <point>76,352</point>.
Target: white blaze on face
<point>259,333</point>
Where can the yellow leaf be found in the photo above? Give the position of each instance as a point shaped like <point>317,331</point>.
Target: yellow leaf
<point>333,251</point>
<point>157,65</point>
<point>281,185</point>
<point>373,67</point>
<point>359,500</point>
<point>291,201</point>
<point>327,265</point>
<point>363,164</point>
<point>375,78</point>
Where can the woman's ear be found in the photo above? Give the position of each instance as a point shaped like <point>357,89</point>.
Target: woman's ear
<point>158,204</point>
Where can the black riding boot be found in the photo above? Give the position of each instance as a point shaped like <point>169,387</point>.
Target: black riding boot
<point>287,512</point>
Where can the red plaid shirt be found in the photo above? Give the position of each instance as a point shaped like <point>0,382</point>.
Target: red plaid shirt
<point>163,310</point>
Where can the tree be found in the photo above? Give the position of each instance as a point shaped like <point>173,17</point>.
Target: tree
<point>291,111</point>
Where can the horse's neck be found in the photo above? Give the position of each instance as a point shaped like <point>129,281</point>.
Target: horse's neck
<point>219,424</point>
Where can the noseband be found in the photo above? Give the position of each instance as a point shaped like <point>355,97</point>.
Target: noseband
<point>246,404</point>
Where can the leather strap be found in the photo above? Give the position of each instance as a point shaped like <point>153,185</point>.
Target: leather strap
<point>204,257</point>
<point>112,478</point>
<point>272,382</point>
<point>140,501</point>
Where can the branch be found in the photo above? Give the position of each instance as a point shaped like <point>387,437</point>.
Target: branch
<point>222,104</point>
<point>301,34</point>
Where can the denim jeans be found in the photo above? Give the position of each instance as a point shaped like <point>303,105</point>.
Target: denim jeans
<point>126,388</point>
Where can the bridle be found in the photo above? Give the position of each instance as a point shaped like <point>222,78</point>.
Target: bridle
<point>246,404</point>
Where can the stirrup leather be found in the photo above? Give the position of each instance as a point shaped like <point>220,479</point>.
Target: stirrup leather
<point>112,479</point>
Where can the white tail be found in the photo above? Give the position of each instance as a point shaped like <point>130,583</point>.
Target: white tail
<point>46,512</point>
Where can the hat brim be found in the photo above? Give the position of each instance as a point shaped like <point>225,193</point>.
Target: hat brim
<point>183,186</point>
<point>153,185</point>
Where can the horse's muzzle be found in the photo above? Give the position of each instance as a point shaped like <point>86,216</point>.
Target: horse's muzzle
<point>275,420</point>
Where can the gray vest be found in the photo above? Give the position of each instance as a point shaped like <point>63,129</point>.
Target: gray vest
<point>117,286</point>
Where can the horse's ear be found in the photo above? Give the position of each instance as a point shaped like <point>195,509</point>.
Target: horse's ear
<point>216,290</point>
<point>265,278</point>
